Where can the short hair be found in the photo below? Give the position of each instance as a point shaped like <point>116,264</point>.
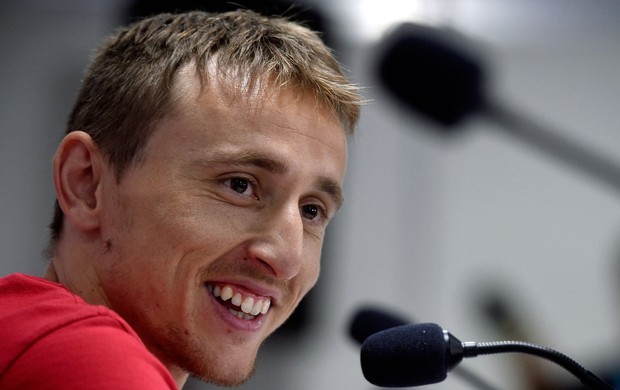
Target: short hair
<point>128,85</point>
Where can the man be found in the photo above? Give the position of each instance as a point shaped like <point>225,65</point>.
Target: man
<point>203,160</point>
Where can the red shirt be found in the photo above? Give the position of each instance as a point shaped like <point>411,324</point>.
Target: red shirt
<point>51,339</point>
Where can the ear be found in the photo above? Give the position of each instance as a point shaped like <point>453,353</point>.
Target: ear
<point>78,168</point>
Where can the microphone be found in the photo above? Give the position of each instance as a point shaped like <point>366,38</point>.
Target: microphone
<point>431,71</point>
<point>370,320</point>
<point>422,354</point>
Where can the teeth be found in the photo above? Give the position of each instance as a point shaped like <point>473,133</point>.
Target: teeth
<point>266,305</point>
<point>236,299</point>
<point>241,315</point>
<point>227,293</point>
<point>249,306</point>
<point>258,306</point>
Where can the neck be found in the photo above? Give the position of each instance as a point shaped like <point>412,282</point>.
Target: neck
<point>179,376</point>
<point>77,275</point>
<point>50,273</point>
<point>59,272</point>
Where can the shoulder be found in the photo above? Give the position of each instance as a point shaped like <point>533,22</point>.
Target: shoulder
<point>92,353</point>
<point>68,344</point>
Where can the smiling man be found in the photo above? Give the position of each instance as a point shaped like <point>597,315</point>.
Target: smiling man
<point>203,160</point>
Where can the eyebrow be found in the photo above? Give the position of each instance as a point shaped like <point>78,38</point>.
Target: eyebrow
<point>333,190</point>
<point>260,160</point>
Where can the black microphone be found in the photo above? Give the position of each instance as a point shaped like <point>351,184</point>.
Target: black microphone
<point>434,72</point>
<point>370,320</point>
<point>429,71</point>
<point>422,354</point>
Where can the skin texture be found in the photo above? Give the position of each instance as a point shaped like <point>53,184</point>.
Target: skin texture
<point>228,190</point>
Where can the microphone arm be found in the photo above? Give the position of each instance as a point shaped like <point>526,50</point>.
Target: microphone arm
<point>473,349</point>
<point>547,140</point>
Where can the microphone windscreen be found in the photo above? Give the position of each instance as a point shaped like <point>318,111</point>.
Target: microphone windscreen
<point>430,74</point>
<point>368,321</point>
<point>407,355</point>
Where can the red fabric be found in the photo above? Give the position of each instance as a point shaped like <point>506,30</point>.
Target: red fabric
<point>52,339</point>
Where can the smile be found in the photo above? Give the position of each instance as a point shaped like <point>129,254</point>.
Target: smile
<point>243,306</point>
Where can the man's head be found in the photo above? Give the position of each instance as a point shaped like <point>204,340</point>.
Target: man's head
<point>129,83</point>
<point>205,156</point>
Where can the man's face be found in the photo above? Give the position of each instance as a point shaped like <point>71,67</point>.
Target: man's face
<point>214,237</point>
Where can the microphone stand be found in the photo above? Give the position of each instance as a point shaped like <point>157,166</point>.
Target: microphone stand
<point>472,349</point>
<point>549,141</point>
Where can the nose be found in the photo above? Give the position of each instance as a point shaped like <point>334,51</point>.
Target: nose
<point>278,245</point>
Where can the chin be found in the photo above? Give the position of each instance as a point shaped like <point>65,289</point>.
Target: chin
<point>224,365</point>
<point>231,377</point>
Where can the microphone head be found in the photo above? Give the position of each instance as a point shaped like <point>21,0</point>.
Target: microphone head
<point>368,321</point>
<point>404,356</point>
<point>430,74</point>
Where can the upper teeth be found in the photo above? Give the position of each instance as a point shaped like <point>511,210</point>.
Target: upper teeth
<point>249,305</point>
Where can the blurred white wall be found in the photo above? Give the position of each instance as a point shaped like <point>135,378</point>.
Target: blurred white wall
<point>433,224</point>
<point>430,224</point>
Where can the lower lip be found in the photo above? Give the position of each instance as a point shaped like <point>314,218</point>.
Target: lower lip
<point>231,319</point>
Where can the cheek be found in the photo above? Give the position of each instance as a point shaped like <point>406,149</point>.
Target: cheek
<point>310,272</point>
<point>148,236</point>
<point>169,220</point>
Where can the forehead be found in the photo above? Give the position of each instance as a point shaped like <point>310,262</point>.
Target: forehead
<point>235,115</point>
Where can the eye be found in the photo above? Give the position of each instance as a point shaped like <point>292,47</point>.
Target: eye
<point>241,186</point>
<point>313,212</point>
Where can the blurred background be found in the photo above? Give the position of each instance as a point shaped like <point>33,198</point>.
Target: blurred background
<point>465,225</point>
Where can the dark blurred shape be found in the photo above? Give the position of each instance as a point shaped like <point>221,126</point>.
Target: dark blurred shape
<point>370,320</point>
<point>427,73</point>
<point>305,14</point>
<point>433,72</point>
<point>502,314</point>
